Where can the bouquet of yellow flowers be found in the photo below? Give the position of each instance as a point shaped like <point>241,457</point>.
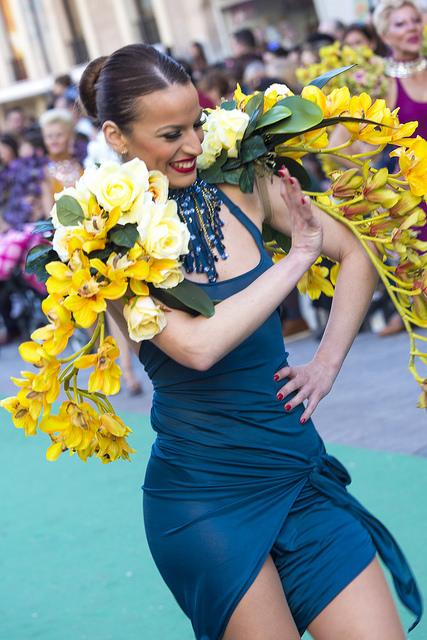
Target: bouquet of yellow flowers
<point>366,70</point>
<point>253,135</point>
<point>116,235</point>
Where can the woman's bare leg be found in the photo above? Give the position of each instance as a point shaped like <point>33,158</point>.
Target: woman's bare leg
<point>364,610</point>
<point>263,613</point>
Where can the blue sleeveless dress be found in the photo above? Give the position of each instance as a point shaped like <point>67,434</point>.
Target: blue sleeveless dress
<point>233,478</point>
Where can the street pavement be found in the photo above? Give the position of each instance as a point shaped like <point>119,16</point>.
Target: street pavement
<point>372,404</point>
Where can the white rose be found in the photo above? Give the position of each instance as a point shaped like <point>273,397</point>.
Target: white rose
<point>211,148</point>
<point>158,186</point>
<point>230,126</point>
<point>165,274</point>
<point>117,185</point>
<point>145,319</point>
<point>136,212</point>
<point>162,234</point>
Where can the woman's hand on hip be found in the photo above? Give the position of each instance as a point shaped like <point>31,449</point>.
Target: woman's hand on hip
<point>310,382</point>
<point>306,229</point>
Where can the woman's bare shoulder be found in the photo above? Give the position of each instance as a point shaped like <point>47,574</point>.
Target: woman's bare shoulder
<point>249,203</point>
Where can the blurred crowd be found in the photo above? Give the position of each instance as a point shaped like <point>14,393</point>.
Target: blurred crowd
<point>40,156</point>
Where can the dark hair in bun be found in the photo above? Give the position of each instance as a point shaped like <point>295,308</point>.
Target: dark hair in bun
<point>110,86</point>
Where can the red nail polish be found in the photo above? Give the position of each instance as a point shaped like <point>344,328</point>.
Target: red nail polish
<point>276,377</point>
<point>281,172</point>
<point>302,200</point>
<point>291,180</point>
<point>280,396</point>
<point>302,420</point>
<point>288,407</point>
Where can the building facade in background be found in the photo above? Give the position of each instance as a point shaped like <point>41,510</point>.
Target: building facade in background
<point>40,39</point>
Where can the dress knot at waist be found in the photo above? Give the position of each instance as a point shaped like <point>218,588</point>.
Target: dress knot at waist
<point>330,477</point>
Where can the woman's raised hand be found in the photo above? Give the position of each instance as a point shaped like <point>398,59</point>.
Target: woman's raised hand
<point>307,234</point>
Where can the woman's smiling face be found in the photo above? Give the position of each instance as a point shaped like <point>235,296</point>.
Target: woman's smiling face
<point>167,135</point>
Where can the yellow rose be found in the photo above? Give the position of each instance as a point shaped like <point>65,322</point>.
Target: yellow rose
<point>117,185</point>
<point>162,234</point>
<point>165,274</point>
<point>145,319</point>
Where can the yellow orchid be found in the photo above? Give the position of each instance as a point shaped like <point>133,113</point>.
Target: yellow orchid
<point>311,141</point>
<point>388,128</point>
<point>88,301</point>
<point>38,391</point>
<point>106,377</point>
<point>21,416</point>
<point>113,448</point>
<point>241,98</point>
<point>112,425</point>
<point>74,427</point>
<point>315,282</point>
<point>117,270</point>
<point>274,94</point>
<point>413,164</point>
<point>56,334</point>
<point>61,274</point>
<point>34,353</point>
<point>332,105</point>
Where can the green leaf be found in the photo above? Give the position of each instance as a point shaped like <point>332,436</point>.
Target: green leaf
<point>228,105</point>
<point>320,81</point>
<point>37,259</point>
<point>233,177</point>
<point>297,170</point>
<point>124,235</point>
<point>43,226</point>
<point>246,182</point>
<point>305,114</point>
<point>254,103</point>
<point>213,174</point>
<point>222,158</point>
<point>252,148</point>
<point>69,211</point>
<point>272,235</point>
<point>186,296</point>
<point>275,114</point>
<point>231,164</point>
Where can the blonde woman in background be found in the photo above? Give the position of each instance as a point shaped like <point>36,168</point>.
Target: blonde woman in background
<point>400,25</point>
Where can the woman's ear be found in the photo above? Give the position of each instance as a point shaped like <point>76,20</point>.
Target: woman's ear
<point>114,137</point>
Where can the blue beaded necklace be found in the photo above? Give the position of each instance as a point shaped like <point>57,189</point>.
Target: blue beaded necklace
<point>199,206</point>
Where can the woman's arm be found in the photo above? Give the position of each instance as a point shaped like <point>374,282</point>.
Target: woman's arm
<point>200,342</point>
<point>353,292</point>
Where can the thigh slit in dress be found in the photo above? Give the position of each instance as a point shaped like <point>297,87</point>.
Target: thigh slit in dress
<point>233,478</point>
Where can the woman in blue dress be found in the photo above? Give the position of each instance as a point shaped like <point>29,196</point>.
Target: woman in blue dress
<point>247,517</point>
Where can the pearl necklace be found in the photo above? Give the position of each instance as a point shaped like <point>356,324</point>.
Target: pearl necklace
<point>401,69</point>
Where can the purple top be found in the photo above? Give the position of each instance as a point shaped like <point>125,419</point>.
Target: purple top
<point>410,110</point>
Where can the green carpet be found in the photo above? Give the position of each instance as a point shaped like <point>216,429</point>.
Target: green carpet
<point>74,561</point>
